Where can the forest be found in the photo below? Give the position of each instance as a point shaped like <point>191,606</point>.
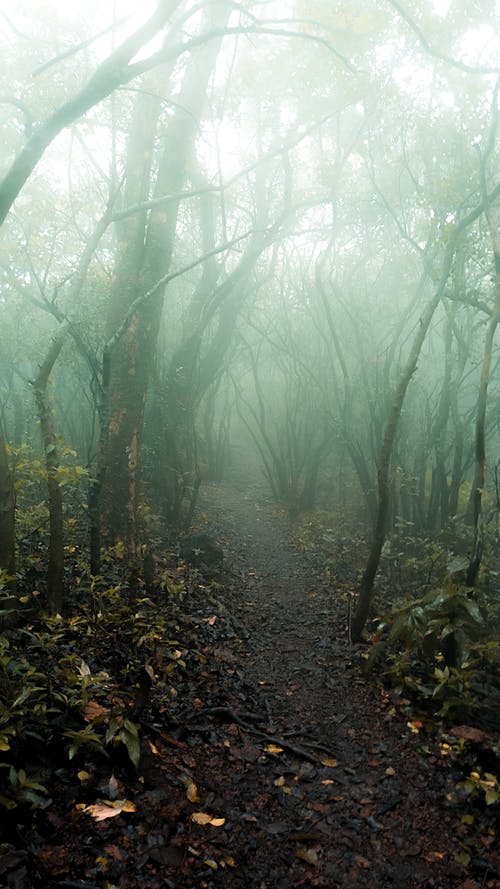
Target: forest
<point>249,444</point>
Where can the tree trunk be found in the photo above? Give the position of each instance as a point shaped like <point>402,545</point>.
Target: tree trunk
<point>480,470</point>
<point>143,260</point>
<point>7,519</point>
<point>55,570</point>
<point>365,592</point>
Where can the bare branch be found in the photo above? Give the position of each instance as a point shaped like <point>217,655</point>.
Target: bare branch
<point>455,63</point>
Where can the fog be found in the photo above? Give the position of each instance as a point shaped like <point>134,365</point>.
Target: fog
<point>268,234</point>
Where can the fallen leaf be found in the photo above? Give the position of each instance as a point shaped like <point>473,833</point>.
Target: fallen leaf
<point>101,811</point>
<point>279,781</point>
<point>331,763</point>
<point>192,793</point>
<point>93,710</point>
<point>273,748</point>
<point>308,855</point>
<point>201,818</point>
<point>205,818</point>
<point>469,733</point>
<point>390,772</point>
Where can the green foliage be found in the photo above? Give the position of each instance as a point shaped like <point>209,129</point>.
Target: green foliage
<point>72,685</point>
<point>437,650</point>
<point>480,786</point>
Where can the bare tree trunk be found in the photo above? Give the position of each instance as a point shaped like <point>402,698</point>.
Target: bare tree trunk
<point>7,519</point>
<point>55,571</point>
<point>480,471</point>
<point>132,354</point>
<point>365,592</point>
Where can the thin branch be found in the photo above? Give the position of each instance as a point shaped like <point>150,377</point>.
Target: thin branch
<point>455,63</point>
<point>73,50</point>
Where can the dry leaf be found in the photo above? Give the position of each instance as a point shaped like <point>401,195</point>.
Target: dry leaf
<point>470,733</point>
<point>93,710</point>
<point>101,811</point>
<point>205,818</point>
<point>308,855</point>
<point>192,793</point>
<point>279,781</point>
<point>273,748</point>
<point>210,863</point>
<point>332,763</point>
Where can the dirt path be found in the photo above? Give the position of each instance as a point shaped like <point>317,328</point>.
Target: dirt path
<point>268,760</point>
<point>375,815</point>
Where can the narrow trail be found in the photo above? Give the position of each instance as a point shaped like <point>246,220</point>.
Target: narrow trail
<point>365,806</point>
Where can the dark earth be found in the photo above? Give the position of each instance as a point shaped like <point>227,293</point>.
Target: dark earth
<point>282,763</point>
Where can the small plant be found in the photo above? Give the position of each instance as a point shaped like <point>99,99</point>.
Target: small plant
<point>481,786</point>
<point>437,650</point>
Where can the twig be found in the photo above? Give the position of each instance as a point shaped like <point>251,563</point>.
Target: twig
<point>231,716</point>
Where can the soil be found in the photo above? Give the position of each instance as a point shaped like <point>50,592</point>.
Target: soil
<point>282,763</point>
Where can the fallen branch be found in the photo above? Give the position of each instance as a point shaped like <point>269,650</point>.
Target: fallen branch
<point>230,716</point>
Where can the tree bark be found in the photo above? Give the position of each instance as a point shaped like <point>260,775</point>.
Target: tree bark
<point>55,570</point>
<point>7,519</point>
<point>143,260</point>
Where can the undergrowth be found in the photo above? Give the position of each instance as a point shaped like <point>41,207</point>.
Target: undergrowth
<point>73,687</point>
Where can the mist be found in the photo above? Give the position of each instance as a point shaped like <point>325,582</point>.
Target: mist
<point>249,396</point>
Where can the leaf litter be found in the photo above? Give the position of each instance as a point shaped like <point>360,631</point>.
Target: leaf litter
<point>273,761</point>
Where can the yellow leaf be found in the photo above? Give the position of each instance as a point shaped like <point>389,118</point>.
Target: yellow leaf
<point>101,811</point>
<point>100,860</point>
<point>390,772</point>
<point>192,793</point>
<point>332,763</point>
<point>84,776</point>
<point>467,819</point>
<point>308,855</point>
<point>210,863</point>
<point>279,781</point>
<point>230,862</point>
<point>273,748</point>
<point>201,818</point>
<point>205,818</point>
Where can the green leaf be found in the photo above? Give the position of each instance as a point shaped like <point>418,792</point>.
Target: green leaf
<point>130,737</point>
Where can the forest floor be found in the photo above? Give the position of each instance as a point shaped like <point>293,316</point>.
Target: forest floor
<point>282,764</point>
